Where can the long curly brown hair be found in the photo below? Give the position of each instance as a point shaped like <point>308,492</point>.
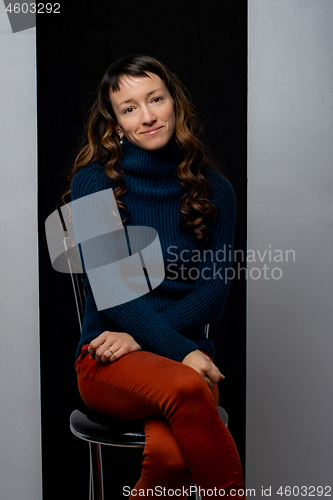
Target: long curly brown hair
<point>101,143</point>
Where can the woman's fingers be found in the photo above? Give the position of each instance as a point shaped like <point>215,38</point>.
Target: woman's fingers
<point>98,341</point>
<point>113,353</point>
<point>100,344</point>
<point>214,375</point>
<point>94,345</point>
<point>203,365</point>
<point>108,355</point>
<point>108,350</point>
<point>110,346</point>
<point>104,352</point>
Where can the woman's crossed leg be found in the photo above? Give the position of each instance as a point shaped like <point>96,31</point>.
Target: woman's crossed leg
<point>193,444</point>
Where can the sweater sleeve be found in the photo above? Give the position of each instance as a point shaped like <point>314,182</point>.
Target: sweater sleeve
<point>135,317</point>
<point>207,301</point>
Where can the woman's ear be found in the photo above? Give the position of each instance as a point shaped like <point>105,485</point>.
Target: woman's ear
<point>119,132</point>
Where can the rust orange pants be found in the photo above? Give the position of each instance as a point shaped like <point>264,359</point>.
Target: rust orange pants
<point>186,440</point>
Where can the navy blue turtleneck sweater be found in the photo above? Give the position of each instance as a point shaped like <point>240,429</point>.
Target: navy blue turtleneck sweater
<point>170,319</point>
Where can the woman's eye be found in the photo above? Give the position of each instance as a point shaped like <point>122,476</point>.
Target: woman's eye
<point>157,99</point>
<point>128,110</point>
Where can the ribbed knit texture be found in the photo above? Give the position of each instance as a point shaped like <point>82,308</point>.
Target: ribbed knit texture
<point>170,319</point>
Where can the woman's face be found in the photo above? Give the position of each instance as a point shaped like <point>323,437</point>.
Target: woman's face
<point>144,110</point>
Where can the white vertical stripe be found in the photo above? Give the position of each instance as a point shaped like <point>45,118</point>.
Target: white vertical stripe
<point>20,444</point>
<point>290,320</point>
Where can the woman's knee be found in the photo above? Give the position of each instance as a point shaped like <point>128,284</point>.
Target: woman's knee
<point>190,386</point>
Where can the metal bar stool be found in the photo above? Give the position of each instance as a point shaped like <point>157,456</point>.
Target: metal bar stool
<point>98,429</point>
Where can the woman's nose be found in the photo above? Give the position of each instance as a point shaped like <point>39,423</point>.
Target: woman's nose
<point>147,117</point>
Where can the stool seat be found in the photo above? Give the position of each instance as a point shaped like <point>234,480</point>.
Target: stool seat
<point>96,428</point>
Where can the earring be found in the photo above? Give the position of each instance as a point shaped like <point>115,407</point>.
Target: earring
<point>120,137</point>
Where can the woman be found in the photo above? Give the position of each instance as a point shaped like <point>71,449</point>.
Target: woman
<point>149,358</point>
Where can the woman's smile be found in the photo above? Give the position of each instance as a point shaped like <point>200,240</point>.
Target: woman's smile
<point>152,131</point>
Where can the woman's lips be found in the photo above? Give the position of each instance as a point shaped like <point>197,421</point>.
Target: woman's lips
<point>152,131</point>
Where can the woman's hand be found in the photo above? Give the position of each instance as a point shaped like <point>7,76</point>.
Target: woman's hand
<point>203,365</point>
<point>119,343</point>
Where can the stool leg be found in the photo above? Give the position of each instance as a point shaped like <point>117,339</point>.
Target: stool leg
<point>197,496</point>
<point>96,472</point>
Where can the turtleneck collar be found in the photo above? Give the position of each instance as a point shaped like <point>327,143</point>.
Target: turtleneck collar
<point>160,164</point>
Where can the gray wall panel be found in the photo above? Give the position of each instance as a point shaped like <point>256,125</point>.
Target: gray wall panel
<point>290,320</point>
<point>20,458</point>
